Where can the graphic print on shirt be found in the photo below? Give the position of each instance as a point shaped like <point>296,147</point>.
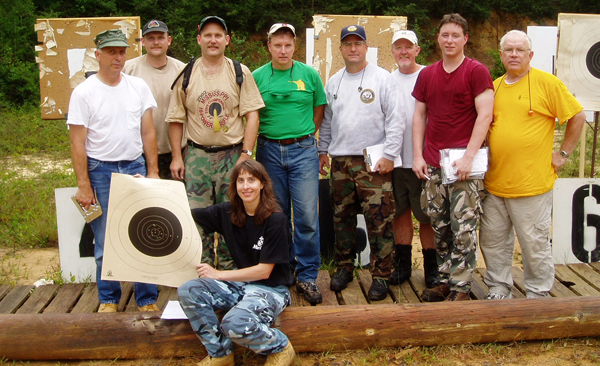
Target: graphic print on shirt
<point>214,109</point>
<point>259,244</point>
<point>367,96</point>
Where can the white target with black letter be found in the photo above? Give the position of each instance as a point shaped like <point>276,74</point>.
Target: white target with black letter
<point>150,234</point>
<point>578,59</point>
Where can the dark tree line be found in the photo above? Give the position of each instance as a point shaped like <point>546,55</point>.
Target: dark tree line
<point>247,19</point>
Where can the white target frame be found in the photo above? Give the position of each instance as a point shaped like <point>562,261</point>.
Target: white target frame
<point>578,58</point>
<point>146,200</point>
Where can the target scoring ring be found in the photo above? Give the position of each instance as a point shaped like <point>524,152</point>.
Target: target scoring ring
<point>155,232</point>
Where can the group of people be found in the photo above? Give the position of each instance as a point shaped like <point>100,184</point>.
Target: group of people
<point>204,132</point>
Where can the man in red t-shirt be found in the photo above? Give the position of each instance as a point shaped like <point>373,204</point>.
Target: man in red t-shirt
<point>454,104</point>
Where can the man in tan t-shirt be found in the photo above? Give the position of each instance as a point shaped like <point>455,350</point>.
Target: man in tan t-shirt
<point>158,70</point>
<point>213,108</point>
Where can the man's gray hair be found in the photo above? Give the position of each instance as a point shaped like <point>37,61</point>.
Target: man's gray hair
<point>517,32</point>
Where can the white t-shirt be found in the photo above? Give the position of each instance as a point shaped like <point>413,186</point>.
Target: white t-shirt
<point>112,115</point>
<point>406,82</point>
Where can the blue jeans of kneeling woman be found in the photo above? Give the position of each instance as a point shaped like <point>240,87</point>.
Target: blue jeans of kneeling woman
<point>251,310</point>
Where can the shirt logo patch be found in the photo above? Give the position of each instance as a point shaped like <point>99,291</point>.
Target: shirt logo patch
<point>299,83</point>
<point>259,244</point>
<point>213,109</point>
<point>367,96</point>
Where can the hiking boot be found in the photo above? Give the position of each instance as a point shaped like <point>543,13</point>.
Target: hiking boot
<point>402,264</point>
<point>432,275</point>
<point>437,293</point>
<point>379,289</point>
<point>218,361</point>
<point>149,307</point>
<point>283,358</point>
<point>459,296</point>
<point>340,279</point>
<point>107,308</point>
<point>310,291</point>
<point>496,296</point>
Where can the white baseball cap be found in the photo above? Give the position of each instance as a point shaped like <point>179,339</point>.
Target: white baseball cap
<point>406,34</point>
<point>277,26</point>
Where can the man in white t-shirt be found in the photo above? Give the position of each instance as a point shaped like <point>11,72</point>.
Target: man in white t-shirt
<point>110,122</point>
<point>407,186</point>
<point>159,71</point>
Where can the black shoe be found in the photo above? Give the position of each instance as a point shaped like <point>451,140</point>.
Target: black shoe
<point>310,291</point>
<point>402,264</point>
<point>340,279</point>
<point>432,275</point>
<point>379,289</point>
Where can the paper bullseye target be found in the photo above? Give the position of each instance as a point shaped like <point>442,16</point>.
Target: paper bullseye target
<point>578,59</point>
<point>150,236</point>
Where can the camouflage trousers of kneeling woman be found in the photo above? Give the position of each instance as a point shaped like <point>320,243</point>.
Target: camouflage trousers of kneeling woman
<point>250,310</point>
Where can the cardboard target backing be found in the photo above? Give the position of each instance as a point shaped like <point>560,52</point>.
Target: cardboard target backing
<point>578,59</point>
<point>151,236</point>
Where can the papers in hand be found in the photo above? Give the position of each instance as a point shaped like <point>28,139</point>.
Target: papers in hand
<point>372,155</point>
<point>448,156</point>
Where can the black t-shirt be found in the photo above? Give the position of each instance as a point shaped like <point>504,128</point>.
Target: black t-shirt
<point>252,244</point>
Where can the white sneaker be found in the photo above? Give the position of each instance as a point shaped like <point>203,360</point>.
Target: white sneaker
<point>496,296</point>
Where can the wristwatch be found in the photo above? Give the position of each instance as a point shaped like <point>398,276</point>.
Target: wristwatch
<point>564,154</point>
<point>247,152</point>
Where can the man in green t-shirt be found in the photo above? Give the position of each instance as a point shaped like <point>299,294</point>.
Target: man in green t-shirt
<point>294,103</point>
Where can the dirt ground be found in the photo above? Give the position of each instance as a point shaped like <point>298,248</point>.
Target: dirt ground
<point>34,264</point>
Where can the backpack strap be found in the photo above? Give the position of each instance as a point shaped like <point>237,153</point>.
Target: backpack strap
<point>239,76</point>
<point>186,72</point>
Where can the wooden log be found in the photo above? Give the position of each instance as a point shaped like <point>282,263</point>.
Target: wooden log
<point>310,329</point>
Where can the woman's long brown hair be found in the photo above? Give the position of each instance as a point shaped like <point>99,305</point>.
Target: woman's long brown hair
<point>268,203</point>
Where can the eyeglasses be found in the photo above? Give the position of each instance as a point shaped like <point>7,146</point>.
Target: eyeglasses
<point>284,93</point>
<point>348,44</point>
<point>520,51</point>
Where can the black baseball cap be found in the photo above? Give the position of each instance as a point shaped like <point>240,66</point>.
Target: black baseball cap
<point>155,26</point>
<point>212,19</point>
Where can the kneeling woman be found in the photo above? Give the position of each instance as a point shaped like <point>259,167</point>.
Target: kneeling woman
<point>257,235</point>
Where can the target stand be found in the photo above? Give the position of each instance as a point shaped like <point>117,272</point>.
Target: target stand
<point>151,236</point>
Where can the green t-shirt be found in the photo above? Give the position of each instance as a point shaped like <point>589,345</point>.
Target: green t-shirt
<point>290,96</point>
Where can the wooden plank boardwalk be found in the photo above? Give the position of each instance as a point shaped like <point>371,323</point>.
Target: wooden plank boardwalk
<point>571,281</point>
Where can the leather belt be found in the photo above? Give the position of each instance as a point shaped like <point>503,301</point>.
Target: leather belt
<point>212,149</point>
<point>286,141</point>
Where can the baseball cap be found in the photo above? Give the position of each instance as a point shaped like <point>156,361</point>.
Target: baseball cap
<point>212,19</point>
<point>354,29</point>
<point>277,26</point>
<point>406,34</point>
<point>155,26</point>
<point>111,38</point>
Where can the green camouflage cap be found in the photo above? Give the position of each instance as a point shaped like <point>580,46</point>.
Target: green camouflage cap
<point>111,38</point>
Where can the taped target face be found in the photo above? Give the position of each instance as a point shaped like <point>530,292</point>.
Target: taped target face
<point>150,234</point>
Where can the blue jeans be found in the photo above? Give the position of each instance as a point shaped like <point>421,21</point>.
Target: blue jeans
<point>251,310</point>
<point>294,170</point>
<point>109,292</point>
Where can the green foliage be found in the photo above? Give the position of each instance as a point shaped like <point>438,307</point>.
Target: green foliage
<point>253,54</point>
<point>23,131</point>
<point>571,167</point>
<point>498,69</point>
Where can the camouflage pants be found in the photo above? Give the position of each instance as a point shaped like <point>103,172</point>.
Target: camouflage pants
<point>250,310</point>
<point>353,189</point>
<point>207,177</point>
<point>454,210</point>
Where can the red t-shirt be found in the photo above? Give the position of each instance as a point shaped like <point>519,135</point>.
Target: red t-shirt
<point>450,99</point>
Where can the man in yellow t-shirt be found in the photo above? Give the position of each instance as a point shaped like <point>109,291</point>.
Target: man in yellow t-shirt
<point>523,167</point>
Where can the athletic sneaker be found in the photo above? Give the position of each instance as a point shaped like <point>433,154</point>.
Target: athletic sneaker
<point>497,296</point>
<point>310,291</point>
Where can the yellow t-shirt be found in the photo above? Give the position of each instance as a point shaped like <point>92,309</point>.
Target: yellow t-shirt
<point>213,106</point>
<point>520,162</point>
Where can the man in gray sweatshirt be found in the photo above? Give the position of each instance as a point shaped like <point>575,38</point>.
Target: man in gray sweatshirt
<point>363,109</point>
